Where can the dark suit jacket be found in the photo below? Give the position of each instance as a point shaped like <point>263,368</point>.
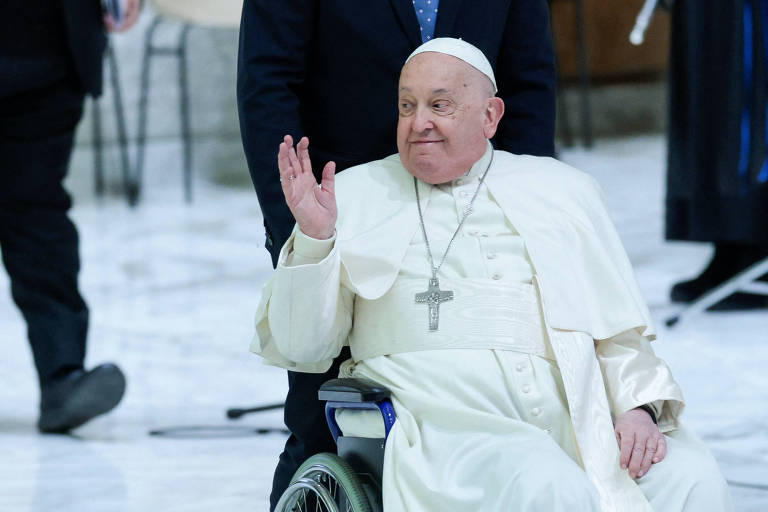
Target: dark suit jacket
<point>329,69</point>
<point>87,41</point>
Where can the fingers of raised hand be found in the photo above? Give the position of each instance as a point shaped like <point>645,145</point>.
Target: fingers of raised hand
<point>302,149</point>
<point>283,162</point>
<point>287,162</point>
<point>328,181</point>
<point>293,158</point>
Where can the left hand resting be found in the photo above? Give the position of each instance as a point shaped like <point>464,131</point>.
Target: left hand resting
<point>640,440</point>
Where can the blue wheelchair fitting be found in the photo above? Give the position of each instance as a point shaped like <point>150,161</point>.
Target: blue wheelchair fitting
<point>356,394</point>
<point>385,407</point>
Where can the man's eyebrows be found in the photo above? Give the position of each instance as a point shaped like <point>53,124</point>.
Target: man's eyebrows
<point>434,91</point>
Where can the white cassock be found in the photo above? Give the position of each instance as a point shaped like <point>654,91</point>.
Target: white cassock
<point>509,405</point>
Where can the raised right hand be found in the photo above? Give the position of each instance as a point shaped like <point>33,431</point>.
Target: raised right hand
<point>312,205</point>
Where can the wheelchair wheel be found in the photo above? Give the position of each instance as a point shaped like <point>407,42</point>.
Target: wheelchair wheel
<point>325,482</point>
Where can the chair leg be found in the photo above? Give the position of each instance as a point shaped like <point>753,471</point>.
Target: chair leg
<point>562,108</point>
<point>186,132</point>
<point>98,157</point>
<point>744,281</point>
<point>134,187</point>
<point>562,116</point>
<point>585,108</point>
<point>120,120</point>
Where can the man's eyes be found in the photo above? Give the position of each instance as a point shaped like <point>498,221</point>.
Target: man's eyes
<point>439,106</point>
<point>443,107</point>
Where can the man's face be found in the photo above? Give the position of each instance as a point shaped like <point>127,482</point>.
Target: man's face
<point>442,127</point>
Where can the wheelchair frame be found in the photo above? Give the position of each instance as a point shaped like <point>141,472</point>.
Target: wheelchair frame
<point>357,470</point>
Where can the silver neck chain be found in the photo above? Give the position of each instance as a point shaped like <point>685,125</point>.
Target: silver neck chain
<point>467,212</point>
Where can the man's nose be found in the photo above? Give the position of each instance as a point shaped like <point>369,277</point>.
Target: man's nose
<point>422,120</point>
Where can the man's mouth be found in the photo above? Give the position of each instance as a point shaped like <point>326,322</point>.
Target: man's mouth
<point>425,142</point>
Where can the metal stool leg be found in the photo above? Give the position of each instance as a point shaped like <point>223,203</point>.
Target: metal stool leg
<point>563,117</point>
<point>186,132</point>
<point>562,109</point>
<point>122,136</point>
<point>98,144</point>
<point>745,281</point>
<point>180,52</point>
<point>585,108</point>
<point>98,157</point>
<point>134,187</point>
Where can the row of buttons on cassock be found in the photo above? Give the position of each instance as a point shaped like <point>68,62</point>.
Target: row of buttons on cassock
<point>526,388</point>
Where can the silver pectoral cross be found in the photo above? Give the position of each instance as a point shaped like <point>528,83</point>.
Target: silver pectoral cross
<point>434,297</point>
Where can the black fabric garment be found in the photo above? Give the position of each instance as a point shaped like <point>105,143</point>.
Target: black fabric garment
<point>51,55</point>
<point>329,70</point>
<point>707,200</point>
<point>42,39</point>
<point>87,41</point>
<point>33,46</point>
<point>38,241</point>
<point>32,29</point>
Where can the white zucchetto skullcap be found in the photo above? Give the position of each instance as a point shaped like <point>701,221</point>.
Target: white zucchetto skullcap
<point>461,50</point>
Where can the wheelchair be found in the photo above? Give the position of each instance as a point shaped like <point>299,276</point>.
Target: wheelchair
<point>349,481</point>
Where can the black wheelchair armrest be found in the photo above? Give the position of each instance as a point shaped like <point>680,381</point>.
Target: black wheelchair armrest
<point>352,391</point>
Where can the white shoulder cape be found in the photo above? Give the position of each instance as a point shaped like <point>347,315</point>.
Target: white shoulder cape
<point>586,280</point>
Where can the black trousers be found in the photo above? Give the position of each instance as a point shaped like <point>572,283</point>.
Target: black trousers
<point>38,241</point>
<point>305,418</point>
<point>716,187</point>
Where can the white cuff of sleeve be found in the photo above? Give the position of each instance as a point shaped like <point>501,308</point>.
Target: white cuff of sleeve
<point>311,248</point>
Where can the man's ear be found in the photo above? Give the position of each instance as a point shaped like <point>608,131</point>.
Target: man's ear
<point>493,113</point>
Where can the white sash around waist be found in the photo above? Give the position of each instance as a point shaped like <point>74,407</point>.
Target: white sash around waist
<point>484,314</point>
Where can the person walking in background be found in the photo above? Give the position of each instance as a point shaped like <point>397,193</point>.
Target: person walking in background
<point>329,70</point>
<point>717,180</point>
<point>51,54</point>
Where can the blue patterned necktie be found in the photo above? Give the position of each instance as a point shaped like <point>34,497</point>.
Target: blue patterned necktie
<point>426,12</point>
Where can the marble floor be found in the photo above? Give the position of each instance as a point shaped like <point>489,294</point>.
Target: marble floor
<point>173,289</point>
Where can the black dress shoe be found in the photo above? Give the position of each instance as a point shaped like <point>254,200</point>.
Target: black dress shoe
<point>72,400</point>
<point>727,261</point>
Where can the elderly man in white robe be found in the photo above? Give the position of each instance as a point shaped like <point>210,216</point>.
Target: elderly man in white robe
<point>491,294</point>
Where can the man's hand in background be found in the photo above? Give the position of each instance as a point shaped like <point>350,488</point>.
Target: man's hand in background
<point>131,10</point>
